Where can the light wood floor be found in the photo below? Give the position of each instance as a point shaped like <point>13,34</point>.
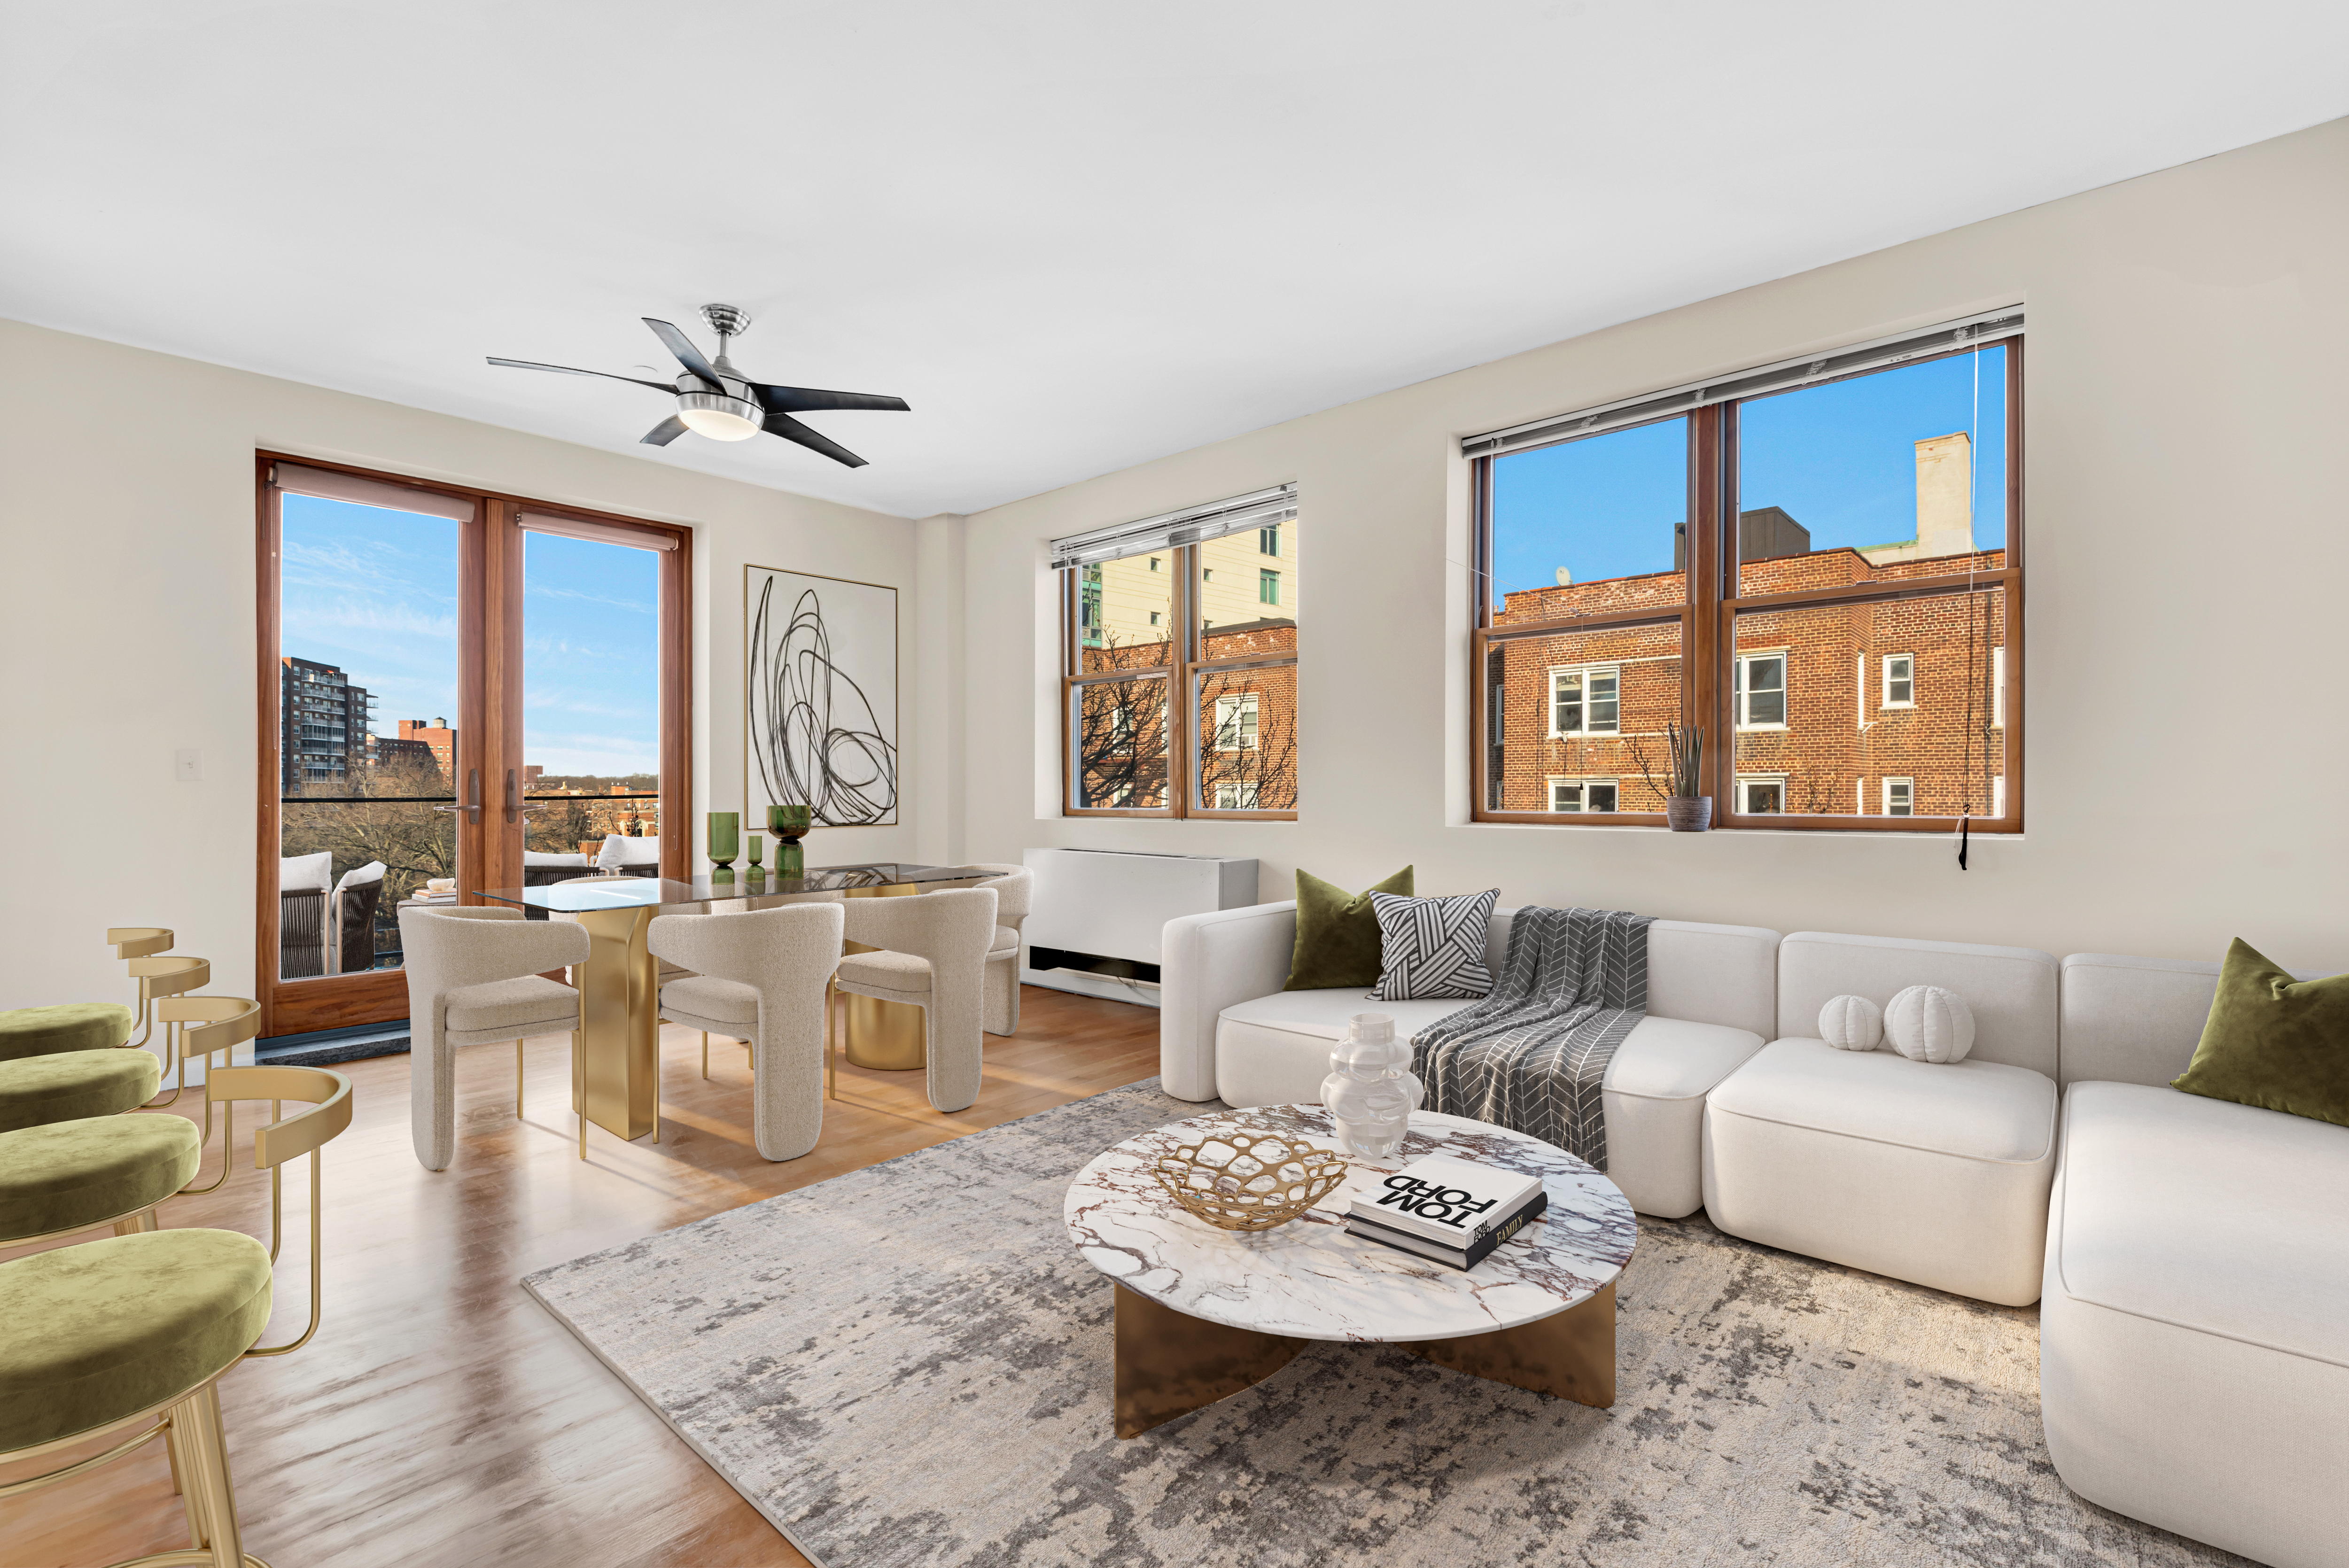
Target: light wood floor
<point>441,1416</point>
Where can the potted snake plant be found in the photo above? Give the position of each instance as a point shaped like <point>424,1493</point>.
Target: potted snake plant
<point>1685,811</point>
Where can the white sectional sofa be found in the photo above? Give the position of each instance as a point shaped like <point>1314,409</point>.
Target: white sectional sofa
<point>2194,1332</point>
<point>1228,1031</point>
<point>2190,1255</point>
<point>1935,1173</point>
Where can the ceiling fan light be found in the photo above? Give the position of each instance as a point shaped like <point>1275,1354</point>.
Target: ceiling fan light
<point>720,418</point>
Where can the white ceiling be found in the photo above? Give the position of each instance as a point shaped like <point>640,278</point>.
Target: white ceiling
<point>1075,235</point>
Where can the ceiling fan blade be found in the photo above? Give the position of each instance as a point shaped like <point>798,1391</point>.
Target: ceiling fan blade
<point>566,370</point>
<point>662,434</point>
<point>804,399</point>
<point>686,355</point>
<point>790,429</point>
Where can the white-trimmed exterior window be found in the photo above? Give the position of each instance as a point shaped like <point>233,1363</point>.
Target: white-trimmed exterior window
<point>1239,797</point>
<point>1585,699</point>
<point>1900,680</point>
<point>1899,796</point>
<point>1761,794</point>
<point>1998,795</point>
<point>1760,690</point>
<point>1236,722</point>
<point>1585,794</point>
<point>1998,691</point>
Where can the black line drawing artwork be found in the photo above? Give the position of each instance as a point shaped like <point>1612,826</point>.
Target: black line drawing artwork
<point>814,737</point>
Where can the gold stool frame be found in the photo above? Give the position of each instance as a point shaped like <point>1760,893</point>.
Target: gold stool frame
<point>886,1037</point>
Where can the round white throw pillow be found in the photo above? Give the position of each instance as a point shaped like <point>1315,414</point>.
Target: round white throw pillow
<point>1851,1024</point>
<point>1927,1024</point>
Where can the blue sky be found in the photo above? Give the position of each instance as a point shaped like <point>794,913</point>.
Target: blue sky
<point>375,592</point>
<point>1838,458</point>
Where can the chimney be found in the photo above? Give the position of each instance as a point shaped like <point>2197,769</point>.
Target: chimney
<point>1945,484</point>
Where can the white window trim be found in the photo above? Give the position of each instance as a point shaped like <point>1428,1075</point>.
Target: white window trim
<point>1227,709</point>
<point>1998,795</point>
<point>1743,779</point>
<point>1556,779</point>
<point>1885,696</point>
<point>1887,791</point>
<point>1549,719</point>
<point>1998,689</point>
<point>1248,788</point>
<point>1738,693</point>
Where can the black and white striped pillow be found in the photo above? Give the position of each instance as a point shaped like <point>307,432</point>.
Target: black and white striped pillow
<point>1433,947</point>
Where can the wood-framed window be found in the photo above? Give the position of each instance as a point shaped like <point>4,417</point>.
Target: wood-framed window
<point>1736,551</point>
<point>356,572</point>
<point>1179,664</point>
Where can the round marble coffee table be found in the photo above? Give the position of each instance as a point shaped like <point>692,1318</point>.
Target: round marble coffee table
<point>1204,1313</point>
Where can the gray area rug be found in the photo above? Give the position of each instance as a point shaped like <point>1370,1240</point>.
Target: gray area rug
<point>910,1365</point>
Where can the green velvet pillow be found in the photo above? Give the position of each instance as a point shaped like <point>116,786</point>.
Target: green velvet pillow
<point>1338,933</point>
<point>2274,1042</point>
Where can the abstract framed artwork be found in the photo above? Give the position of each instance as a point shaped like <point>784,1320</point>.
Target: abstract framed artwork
<point>819,711</point>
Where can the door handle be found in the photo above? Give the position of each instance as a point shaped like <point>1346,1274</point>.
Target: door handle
<point>472,806</point>
<point>516,810</point>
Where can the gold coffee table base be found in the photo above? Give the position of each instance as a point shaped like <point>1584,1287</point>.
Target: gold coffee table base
<point>887,1037</point>
<point>1170,1363</point>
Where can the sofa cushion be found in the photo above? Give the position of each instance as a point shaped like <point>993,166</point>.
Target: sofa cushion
<point>1973,1110</point>
<point>1338,932</point>
<point>1322,1014</point>
<point>2274,1042</point>
<point>2222,1218</point>
<point>2011,991</point>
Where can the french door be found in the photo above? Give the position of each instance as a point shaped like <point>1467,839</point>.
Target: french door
<point>457,689</point>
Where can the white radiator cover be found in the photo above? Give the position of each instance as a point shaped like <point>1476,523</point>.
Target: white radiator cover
<point>1115,903</point>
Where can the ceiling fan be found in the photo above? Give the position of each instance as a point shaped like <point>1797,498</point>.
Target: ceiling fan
<point>717,400</point>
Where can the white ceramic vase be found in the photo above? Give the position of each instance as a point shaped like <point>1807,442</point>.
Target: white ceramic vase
<point>1370,1090</point>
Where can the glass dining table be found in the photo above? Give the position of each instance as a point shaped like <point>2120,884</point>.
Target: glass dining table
<point>619,986</point>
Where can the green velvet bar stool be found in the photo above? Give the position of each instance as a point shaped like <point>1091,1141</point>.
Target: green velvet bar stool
<point>71,1086</point>
<point>72,1176</point>
<point>140,942</point>
<point>124,1340</point>
<point>69,1027</point>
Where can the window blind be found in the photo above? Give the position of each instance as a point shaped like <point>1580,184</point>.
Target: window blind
<point>1191,525</point>
<point>1784,376</point>
<point>601,532</point>
<point>330,484</point>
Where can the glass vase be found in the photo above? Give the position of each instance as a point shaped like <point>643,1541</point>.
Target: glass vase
<point>725,831</point>
<point>1370,1090</point>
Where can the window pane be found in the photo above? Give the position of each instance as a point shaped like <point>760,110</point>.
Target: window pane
<point>1898,474</point>
<point>1247,595</point>
<point>1532,737</point>
<point>591,692</point>
<point>367,672</point>
<point>1839,745</point>
<point>1591,527</point>
<point>1601,796</point>
<point>1125,613</point>
<point>1248,739</point>
<point>1119,744</point>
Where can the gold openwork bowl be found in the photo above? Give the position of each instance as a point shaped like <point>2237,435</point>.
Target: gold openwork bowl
<point>1249,1178</point>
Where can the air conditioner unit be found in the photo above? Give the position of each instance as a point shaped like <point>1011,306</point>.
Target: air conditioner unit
<point>1095,921</point>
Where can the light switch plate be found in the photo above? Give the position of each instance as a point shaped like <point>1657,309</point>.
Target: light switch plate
<point>188,765</point>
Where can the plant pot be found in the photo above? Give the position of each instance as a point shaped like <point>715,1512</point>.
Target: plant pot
<point>1688,813</point>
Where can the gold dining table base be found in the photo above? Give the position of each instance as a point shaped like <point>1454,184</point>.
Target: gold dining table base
<point>889,1037</point>
<point>619,1044</point>
<point>1170,1363</point>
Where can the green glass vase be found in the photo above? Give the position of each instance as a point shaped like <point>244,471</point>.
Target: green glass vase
<point>725,834</point>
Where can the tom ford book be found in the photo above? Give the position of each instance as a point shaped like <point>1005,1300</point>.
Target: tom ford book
<point>1451,1210</point>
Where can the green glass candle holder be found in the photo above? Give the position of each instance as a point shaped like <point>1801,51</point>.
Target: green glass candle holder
<point>790,860</point>
<point>789,823</point>
<point>725,831</point>
<point>754,847</point>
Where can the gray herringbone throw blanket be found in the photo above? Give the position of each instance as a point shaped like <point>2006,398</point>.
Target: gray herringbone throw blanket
<point>1532,1056</point>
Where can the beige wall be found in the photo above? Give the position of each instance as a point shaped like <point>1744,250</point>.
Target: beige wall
<point>2189,546</point>
<point>129,630</point>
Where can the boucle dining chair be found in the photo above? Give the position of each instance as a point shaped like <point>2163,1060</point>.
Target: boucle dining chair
<point>1015,891</point>
<point>761,974</point>
<point>474,979</point>
<point>935,958</point>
